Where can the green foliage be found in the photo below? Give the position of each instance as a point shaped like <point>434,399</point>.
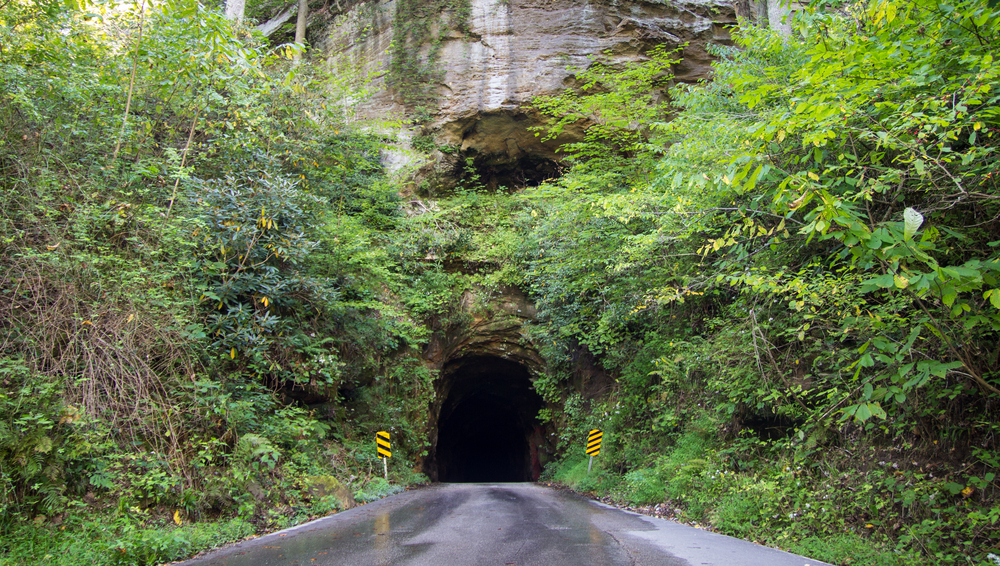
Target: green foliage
<point>482,232</point>
<point>849,547</point>
<point>424,144</point>
<point>176,250</point>
<point>866,150</point>
<point>253,230</point>
<point>572,471</point>
<point>376,489</point>
<point>796,259</point>
<point>616,106</point>
<point>91,542</point>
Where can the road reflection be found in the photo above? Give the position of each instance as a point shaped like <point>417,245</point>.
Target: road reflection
<point>383,550</point>
<point>597,551</point>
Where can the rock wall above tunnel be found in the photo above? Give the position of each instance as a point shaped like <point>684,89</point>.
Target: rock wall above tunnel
<point>496,328</point>
<point>513,51</point>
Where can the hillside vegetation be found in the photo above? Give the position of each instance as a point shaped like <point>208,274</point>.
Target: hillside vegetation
<point>799,294</point>
<point>190,225</point>
<point>790,271</point>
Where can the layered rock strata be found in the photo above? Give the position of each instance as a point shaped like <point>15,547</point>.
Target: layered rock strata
<point>513,51</point>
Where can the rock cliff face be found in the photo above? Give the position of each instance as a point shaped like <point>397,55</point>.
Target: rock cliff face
<point>512,51</point>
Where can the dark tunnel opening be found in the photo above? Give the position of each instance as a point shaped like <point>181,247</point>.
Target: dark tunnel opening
<point>486,423</point>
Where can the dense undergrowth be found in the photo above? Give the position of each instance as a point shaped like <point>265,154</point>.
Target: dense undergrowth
<point>195,245</point>
<point>795,283</point>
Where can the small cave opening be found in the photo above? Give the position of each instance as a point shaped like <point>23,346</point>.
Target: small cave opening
<point>512,174</point>
<point>487,422</point>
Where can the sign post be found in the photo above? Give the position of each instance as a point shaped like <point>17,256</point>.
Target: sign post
<point>383,447</point>
<point>593,446</point>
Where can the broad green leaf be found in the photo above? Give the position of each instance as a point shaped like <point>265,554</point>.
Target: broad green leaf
<point>911,222</point>
<point>885,281</point>
<point>954,488</point>
<point>994,296</point>
<point>863,413</point>
<point>949,295</point>
<point>941,369</point>
<point>877,410</point>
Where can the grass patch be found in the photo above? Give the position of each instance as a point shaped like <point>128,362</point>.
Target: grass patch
<point>572,472</point>
<point>849,548</point>
<point>98,541</point>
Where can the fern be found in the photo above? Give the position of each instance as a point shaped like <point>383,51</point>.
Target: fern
<point>253,448</point>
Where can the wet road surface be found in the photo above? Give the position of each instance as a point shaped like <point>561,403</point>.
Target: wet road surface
<point>505,524</point>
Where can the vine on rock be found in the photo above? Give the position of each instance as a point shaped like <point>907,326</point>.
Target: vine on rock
<point>420,23</point>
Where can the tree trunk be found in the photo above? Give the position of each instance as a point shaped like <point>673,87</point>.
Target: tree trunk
<point>300,26</point>
<point>235,9</point>
<point>272,25</point>
<point>752,12</point>
<point>777,12</point>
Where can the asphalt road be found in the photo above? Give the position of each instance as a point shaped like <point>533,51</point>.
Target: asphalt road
<point>505,524</point>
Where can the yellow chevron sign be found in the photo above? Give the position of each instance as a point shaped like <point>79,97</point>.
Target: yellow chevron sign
<point>594,442</point>
<point>382,444</point>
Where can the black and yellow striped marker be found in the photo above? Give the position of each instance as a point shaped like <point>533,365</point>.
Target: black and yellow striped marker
<point>593,446</point>
<point>382,444</point>
<point>594,442</point>
<point>383,447</point>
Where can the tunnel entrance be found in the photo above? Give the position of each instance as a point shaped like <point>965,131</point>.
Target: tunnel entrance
<point>486,422</point>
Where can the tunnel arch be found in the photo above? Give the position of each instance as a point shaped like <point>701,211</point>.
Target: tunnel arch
<point>488,424</point>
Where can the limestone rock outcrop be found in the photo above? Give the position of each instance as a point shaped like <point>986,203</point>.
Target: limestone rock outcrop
<point>513,51</point>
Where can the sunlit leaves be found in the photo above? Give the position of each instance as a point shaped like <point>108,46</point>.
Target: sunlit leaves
<point>911,222</point>
<point>617,104</point>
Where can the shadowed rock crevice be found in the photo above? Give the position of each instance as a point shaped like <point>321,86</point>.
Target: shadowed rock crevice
<point>500,173</point>
<point>495,151</point>
<point>487,422</point>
